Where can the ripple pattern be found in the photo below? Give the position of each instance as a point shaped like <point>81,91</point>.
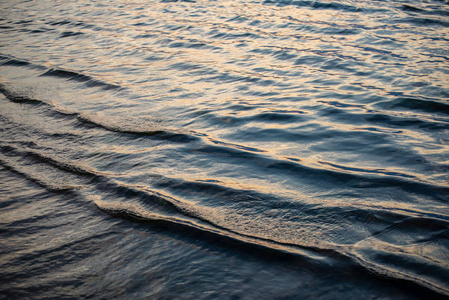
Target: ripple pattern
<point>314,131</point>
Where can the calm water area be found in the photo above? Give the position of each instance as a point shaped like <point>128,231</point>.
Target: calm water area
<point>235,149</point>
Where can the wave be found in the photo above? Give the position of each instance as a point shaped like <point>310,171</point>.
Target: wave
<point>234,214</point>
<point>97,120</point>
<point>143,204</point>
<point>414,9</point>
<point>53,182</point>
<point>419,104</point>
<point>399,252</point>
<point>89,81</point>
<point>14,97</point>
<point>188,221</point>
<point>316,4</point>
<point>337,174</point>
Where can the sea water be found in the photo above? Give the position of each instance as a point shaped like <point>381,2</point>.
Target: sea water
<point>266,149</point>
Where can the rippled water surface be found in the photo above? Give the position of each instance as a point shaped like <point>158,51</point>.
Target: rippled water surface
<point>224,149</point>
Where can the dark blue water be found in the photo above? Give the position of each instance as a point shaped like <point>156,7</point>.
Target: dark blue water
<point>224,149</point>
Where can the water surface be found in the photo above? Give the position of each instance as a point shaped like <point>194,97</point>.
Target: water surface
<point>224,149</point>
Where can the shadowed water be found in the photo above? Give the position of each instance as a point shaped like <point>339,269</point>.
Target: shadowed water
<point>224,149</point>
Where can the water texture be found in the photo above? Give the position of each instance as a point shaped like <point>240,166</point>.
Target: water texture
<point>224,149</point>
